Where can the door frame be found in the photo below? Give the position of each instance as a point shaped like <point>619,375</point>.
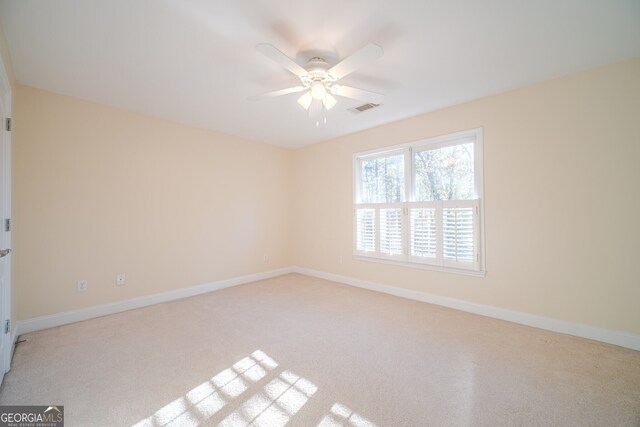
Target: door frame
<point>8,339</point>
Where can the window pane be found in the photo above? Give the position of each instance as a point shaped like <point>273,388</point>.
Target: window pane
<point>383,179</point>
<point>391,231</point>
<point>445,173</point>
<point>366,230</point>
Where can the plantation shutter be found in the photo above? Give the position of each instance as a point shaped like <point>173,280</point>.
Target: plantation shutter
<point>460,234</point>
<point>391,230</point>
<point>379,230</point>
<point>365,222</point>
<point>423,233</point>
<point>442,233</point>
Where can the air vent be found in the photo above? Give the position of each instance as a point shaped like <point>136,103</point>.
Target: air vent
<point>363,108</point>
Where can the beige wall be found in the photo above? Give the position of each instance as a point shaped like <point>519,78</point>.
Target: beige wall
<point>101,191</point>
<point>562,200</point>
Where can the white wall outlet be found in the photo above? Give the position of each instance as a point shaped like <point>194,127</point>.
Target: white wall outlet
<point>120,280</point>
<point>82,286</point>
<point>265,257</point>
<point>339,259</point>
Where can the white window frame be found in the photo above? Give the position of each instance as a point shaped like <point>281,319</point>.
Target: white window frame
<point>405,259</point>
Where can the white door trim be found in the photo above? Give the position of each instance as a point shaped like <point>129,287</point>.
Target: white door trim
<point>5,236</point>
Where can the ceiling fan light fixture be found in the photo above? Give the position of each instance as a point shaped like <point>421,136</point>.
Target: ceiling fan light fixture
<point>329,101</point>
<point>318,90</point>
<point>305,100</point>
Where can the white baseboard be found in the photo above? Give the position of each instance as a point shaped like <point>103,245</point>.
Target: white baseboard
<point>45,322</point>
<point>622,339</point>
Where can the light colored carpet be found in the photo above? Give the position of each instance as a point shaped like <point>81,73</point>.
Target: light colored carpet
<point>302,351</point>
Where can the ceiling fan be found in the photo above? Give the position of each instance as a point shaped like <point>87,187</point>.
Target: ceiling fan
<point>319,80</point>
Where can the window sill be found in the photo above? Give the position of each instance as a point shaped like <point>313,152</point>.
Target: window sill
<point>422,266</point>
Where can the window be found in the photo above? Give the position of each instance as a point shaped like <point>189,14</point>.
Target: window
<point>419,204</point>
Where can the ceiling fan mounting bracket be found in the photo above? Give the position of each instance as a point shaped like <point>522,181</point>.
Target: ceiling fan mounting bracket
<point>317,62</point>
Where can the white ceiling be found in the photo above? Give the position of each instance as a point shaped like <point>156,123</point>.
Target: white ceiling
<point>194,61</point>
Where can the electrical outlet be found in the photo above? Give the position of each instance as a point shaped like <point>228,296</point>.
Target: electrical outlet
<point>265,257</point>
<point>82,286</point>
<point>120,280</point>
<point>339,259</point>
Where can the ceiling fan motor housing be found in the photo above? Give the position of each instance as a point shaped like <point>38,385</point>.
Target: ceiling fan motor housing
<point>317,72</point>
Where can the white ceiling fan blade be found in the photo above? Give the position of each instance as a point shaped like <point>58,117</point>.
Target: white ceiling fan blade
<point>355,93</point>
<point>275,93</point>
<point>367,54</point>
<point>274,54</point>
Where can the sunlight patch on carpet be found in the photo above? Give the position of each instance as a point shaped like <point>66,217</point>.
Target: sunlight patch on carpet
<point>342,416</point>
<point>205,400</point>
<point>274,406</point>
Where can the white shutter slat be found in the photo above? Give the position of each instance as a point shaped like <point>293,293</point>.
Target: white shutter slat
<point>366,230</point>
<point>391,231</point>
<point>423,234</point>
<point>459,236</point>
